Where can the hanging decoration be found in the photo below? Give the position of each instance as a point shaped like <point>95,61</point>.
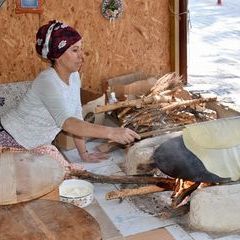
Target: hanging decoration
<point>1,2</point>
<point>112,9</point>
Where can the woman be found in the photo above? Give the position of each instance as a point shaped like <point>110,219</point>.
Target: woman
<point>53,102</point>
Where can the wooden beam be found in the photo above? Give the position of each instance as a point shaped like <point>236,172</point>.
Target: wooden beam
<point>183,33</point>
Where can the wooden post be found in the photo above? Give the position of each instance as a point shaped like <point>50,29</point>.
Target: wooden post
<point>183,26</point>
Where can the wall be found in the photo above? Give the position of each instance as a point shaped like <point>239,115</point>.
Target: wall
<point>139,40</point>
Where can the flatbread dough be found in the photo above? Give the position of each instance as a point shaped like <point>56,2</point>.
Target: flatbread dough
<point>217,144</point>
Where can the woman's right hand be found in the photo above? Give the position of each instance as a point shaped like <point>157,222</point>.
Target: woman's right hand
<point>123,135</point>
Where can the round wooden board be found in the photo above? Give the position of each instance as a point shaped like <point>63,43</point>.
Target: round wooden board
<point>25,176</point>
<point>48,220</point>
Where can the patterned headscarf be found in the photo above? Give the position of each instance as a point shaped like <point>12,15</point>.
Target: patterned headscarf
<point>54,38</point>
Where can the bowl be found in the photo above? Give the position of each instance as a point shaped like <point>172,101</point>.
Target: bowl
<point>77,192</point>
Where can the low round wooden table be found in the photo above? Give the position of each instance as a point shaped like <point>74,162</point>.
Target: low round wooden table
<point>47,220</point>
<point>25,176</point>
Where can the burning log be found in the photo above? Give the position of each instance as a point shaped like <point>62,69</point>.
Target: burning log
<point>183,193</point>
<point>156,184</point>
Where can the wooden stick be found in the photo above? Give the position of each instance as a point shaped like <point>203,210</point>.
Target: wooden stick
<point>161,131</point>
<point>133,103</point>
<point>183,104</point>
<point>124,112</point>
<point>183,194</point>
<point>187,103</point>
<point>168,183</point>
<point>110,146</point>
<point>133,192</point>
<point>166,82</point>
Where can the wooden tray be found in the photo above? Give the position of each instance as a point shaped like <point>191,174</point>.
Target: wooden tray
<point>25,176</point>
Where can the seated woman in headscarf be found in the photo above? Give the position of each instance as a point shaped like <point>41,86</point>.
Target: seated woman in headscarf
<point>53,101</point>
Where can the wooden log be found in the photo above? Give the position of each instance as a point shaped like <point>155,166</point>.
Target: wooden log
<point>138,103</point>
<point>167,183</point>
<point>124,112</point>
<point>176,105</point>
<point>187,103</point>
<point>182,117</point>
<point>178,198</point>
<point>133,192</point>
<point>160,131</point>
<point>110,146</point>
<point>170,91</point>
<point>168,81</point>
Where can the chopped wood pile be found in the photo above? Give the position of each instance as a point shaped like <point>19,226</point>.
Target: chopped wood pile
<point>165,105</point>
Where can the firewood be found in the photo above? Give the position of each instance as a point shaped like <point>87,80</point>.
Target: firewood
<point>133,192</point>
<point>183,194</point>
<point>124,112</point>
<point>153,110</point>
<point>170,91</point>
<point>186,103</point>
<point>133,103</point>
<point>160,131</point>
<point>110,146</point>
<point>168,81</point>
<point>167,183</point>
<point>182,117</point>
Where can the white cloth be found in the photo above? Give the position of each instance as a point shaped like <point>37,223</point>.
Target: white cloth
<point>217,144</point>
<point>40,115</point>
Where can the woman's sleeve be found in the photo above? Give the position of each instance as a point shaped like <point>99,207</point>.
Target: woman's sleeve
<point>79,105</point>
<point>57,104</point>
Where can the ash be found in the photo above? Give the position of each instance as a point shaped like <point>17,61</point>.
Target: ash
<point>157,204</point>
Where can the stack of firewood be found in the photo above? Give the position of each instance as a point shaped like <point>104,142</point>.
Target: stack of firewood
<point>165,105</point>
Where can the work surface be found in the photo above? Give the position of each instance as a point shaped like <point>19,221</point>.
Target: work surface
<point>44,219</point>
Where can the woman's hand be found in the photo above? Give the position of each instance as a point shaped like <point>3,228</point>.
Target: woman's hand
<point>94,157</point>
<point>122,135</point>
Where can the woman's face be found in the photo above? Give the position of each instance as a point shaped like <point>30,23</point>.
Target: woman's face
<point>72,59</point>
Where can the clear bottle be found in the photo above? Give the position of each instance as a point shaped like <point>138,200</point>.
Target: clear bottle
<point>112,98</point>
